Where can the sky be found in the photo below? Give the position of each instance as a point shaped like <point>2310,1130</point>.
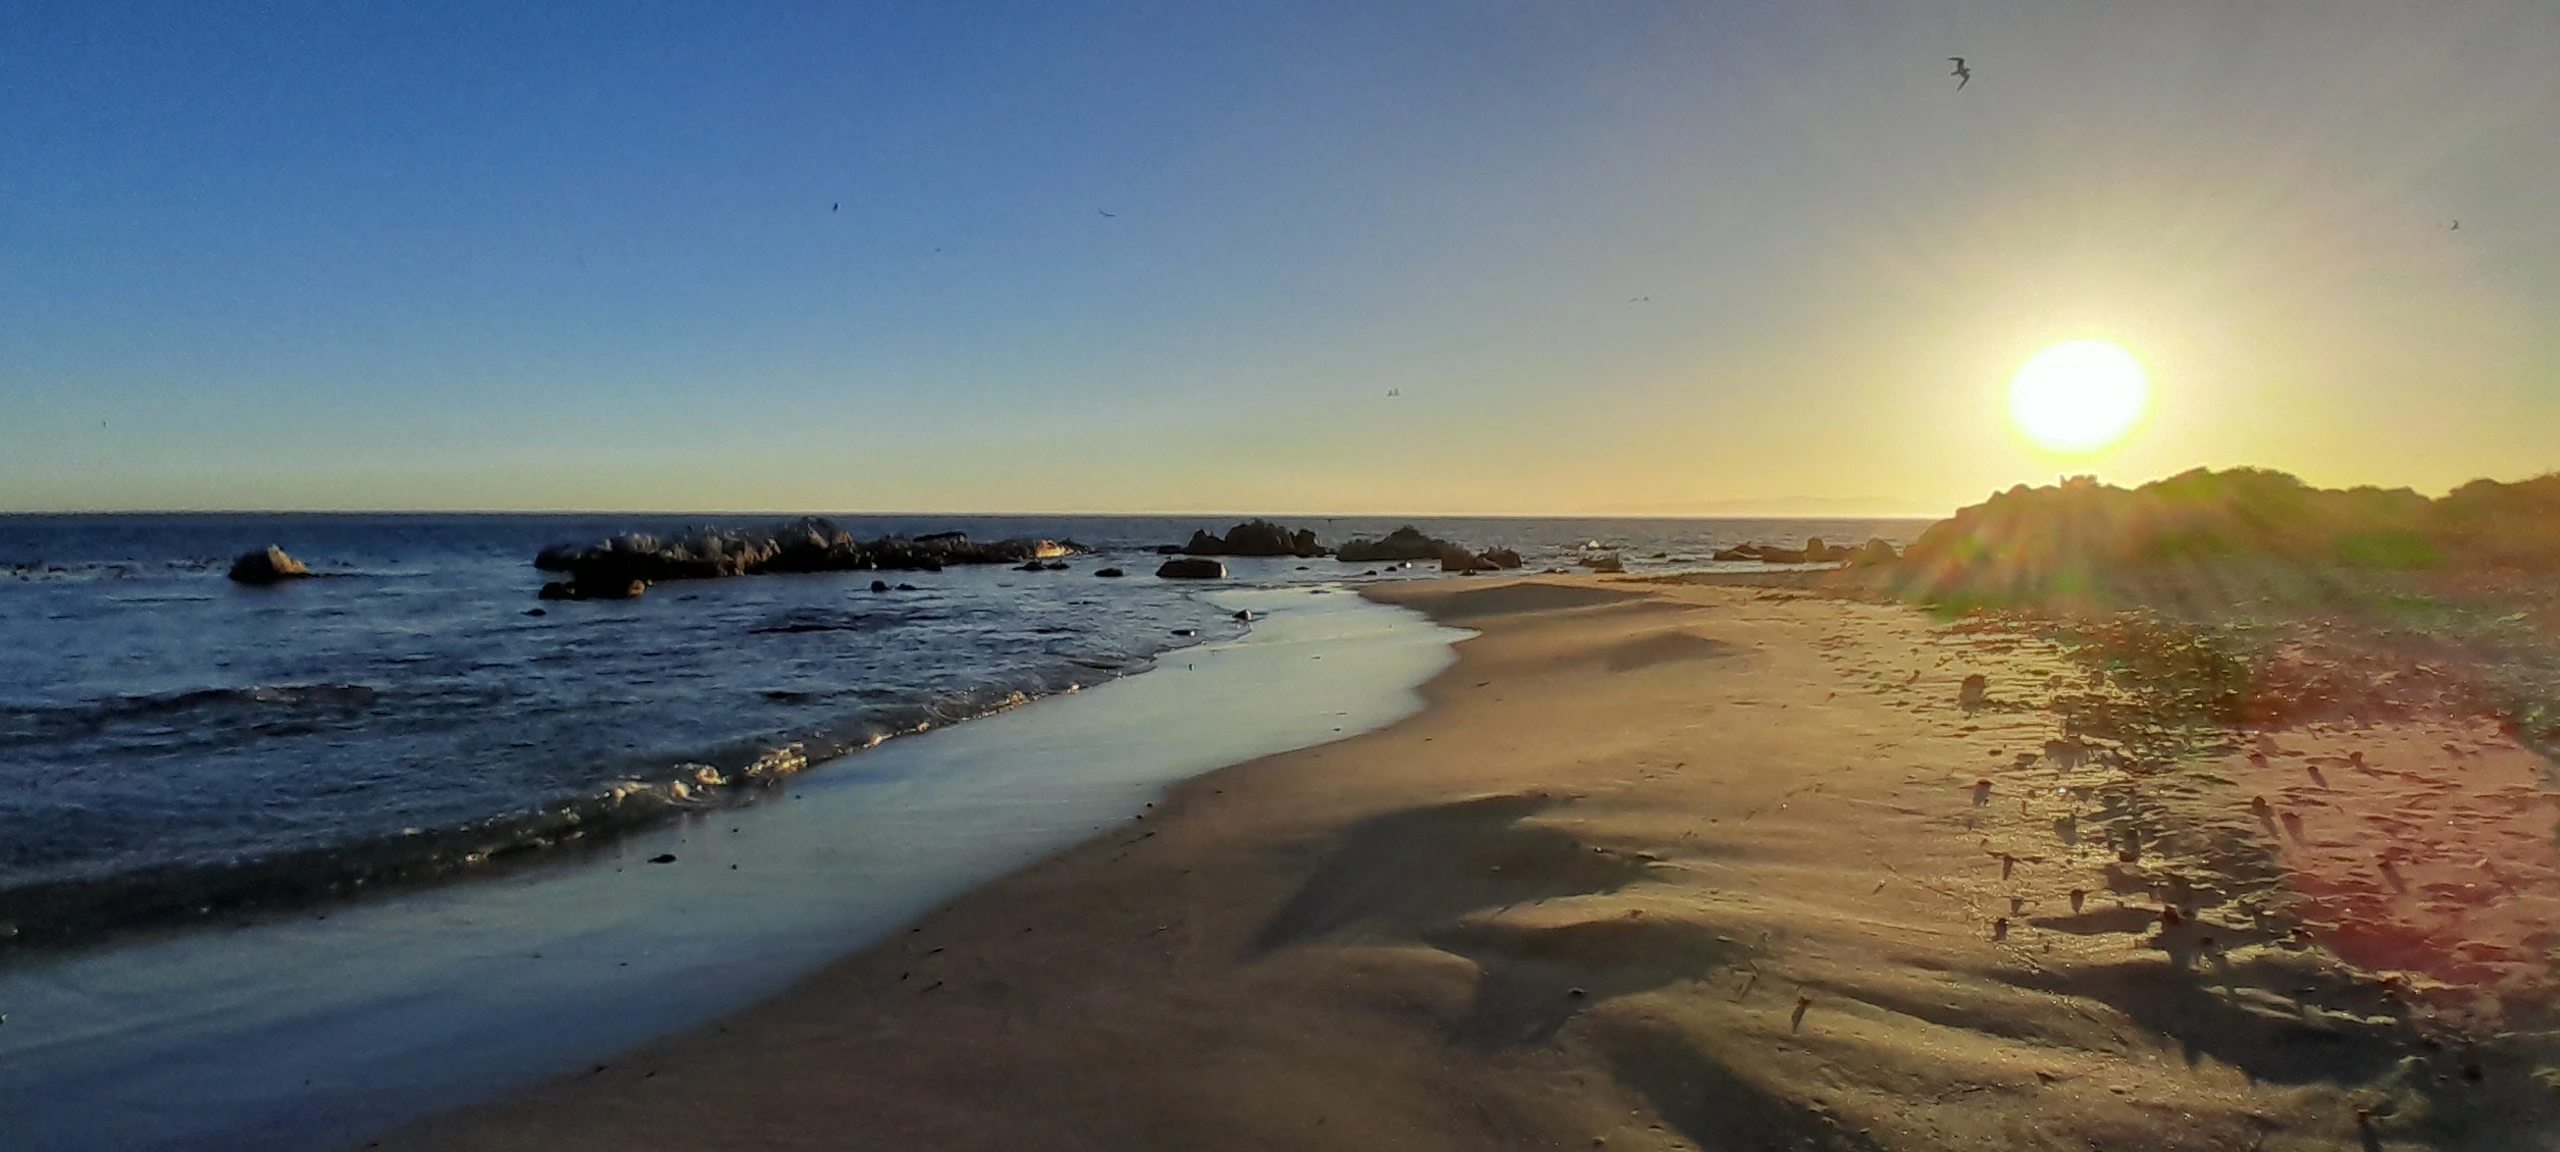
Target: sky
<point>1569,258</point>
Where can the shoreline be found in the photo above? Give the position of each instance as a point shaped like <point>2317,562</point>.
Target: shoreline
<point>1657,866</point>
<point>325,1029</point>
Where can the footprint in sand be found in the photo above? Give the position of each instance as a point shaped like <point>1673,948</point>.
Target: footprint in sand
<point>2293,827</point>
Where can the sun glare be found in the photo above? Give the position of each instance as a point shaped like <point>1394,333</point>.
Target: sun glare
<point>2078,397</point>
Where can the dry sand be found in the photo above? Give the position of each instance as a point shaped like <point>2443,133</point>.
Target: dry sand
<point>1690,867</point>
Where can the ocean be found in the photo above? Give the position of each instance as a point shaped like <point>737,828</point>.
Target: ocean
<point>176,748</point>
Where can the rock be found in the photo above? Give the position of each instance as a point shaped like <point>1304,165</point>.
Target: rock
<point>622,590</point>
<point>663,858</point>
<point>536,612</point>
<point>1817,552</point>
<point>1875,551</point>
<point>1406,543</point>
<point>906,587</point>
<point>1192,568</point>
<point>1169,549</point>
<point>1245,614</point>
<point>558,590</point>
<point>1109,573</point>
<point>1186,631</point>
<point>1031,566</point>
<point>1255,538</point>
<point>1975,690</point>
<point>1747,553</point>
<point>271,566</point>
<point>1501,557</point>
<point>879,585</point>
<point>809,544</point>
<point>1055,566</point>
<point>1605,562</point>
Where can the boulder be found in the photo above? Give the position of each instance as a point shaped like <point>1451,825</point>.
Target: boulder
<point>270,566</point>
<point>1607,563</point>
<point>1501,557</point>
<point>1109,573</point>
<point>1192,568</point>
<point>1406,543</point>
<point>879,585</point>
<point>1875,551</point>
<point>1254,538</point>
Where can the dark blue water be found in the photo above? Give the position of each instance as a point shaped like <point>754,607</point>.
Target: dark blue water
<point>172,745</point>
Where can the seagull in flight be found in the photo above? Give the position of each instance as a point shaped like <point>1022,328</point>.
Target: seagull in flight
<point>1108,215</point>
<point>1962,74</point>
<point>838,206</point>
<point>2457,227</point>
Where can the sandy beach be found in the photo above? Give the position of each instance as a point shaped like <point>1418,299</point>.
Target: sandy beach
<point>1685,865</point>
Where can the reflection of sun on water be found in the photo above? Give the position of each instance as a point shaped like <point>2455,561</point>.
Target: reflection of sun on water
<point>2078,397</point>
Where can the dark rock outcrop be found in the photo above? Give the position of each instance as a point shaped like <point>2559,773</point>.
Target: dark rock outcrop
<point>1409,543</point>
<point>810,544</point>
<point>270,566</point>
<point>1875,551</point>
<point>1813,552</point>
<point>1109,573</point>
<point>1254,538</point>
<point>1406,543</point>
<point>1192,568</point>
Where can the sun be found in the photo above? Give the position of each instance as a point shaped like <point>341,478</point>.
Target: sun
<point>2079,396</point>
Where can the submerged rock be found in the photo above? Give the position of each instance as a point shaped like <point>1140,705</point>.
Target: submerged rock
<point>1109,573</point>
<point>1192,568</point>
<point>271,566</point>
<point>594,590</point>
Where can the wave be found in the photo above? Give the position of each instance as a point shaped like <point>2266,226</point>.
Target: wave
<point>250,705</point>
<point>75,910</point>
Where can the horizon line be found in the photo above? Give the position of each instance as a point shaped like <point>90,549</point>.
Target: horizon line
<point>1151,514</point>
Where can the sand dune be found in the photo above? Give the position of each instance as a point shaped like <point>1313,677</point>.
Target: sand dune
<point>1691,867</point>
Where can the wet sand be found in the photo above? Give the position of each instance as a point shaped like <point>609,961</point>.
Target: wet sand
<point>1688,867</point>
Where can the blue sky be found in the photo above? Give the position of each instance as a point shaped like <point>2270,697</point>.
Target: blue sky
<point>582,256</point>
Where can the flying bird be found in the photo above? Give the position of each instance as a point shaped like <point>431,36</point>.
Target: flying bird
<point>1639,299</point>
<point>1108,215</point>
<point>836,207</point>
<point>1962,74</point>
<point>2457,227</point>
